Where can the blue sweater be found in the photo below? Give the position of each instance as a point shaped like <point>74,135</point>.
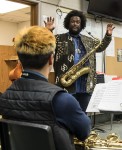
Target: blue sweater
<point>69,113</point>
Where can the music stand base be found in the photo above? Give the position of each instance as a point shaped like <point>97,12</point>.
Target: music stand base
<point>95,128</point>
<point>98,129</point>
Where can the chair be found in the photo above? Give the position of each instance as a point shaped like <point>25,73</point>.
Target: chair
<point>16,135</point>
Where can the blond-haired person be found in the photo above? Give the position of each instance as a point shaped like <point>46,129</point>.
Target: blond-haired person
<point>32,98</point>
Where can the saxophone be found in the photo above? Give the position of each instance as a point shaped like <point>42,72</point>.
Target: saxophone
<point>95,142</point>
<point>78,70</point>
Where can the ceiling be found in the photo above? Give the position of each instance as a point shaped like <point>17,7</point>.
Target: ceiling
<point>17,16</point>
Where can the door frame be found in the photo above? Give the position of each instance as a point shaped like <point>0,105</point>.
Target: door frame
<point>35,10</point>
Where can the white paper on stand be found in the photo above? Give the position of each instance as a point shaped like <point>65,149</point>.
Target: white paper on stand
<point>106,97</point>
<point>112,97</point>
<point>96,97</point>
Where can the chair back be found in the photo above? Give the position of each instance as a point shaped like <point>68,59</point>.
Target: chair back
<point>16,135</point>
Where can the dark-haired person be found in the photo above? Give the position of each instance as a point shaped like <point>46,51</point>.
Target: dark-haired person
<point>71,47</point>
<point>32,98</point>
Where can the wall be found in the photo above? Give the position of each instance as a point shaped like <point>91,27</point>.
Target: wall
<point>65,3</point>
<point>23,25</point>
<point>8,30</point>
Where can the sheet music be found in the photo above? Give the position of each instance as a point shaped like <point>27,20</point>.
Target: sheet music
<point>106,97</point>
<point>112,97</point>
<point>96,97</point>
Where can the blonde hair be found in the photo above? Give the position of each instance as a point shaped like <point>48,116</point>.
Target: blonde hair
<point>35,40</point>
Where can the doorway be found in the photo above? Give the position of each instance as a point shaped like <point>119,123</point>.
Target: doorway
<point>8,30</point>
<point>35,9</point>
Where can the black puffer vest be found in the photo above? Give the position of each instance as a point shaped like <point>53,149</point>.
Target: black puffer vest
<point>31,100</point>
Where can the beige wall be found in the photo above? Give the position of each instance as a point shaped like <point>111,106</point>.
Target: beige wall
<point>8,30</point>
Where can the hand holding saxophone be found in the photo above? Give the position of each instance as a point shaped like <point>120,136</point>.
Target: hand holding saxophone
<point>109,29</point>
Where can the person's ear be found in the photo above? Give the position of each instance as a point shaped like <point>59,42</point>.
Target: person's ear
<point>51,59</point>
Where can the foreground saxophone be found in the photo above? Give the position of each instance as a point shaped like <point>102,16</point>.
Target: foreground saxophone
<point>78,70</point>
<point>94,142</point>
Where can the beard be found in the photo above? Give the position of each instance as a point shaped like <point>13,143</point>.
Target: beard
<point>74,32</point>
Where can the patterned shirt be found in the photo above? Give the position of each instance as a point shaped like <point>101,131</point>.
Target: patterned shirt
<point>79,53</point>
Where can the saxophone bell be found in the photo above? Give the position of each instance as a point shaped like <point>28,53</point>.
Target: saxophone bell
<point>78,70</point>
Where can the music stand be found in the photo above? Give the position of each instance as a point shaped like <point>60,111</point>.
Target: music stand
<point>100,79</point>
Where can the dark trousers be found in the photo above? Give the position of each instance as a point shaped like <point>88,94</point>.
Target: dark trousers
<point>83,99</point>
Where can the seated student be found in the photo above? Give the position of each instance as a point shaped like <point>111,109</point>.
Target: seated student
<point>32,98</point>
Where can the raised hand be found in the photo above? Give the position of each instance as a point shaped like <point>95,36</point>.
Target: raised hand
<point>110,28</point>
<point>49,24</point>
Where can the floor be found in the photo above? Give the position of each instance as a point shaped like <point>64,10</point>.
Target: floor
<point>110,129</point>
<point>102,131</point>
<point>105,129</point>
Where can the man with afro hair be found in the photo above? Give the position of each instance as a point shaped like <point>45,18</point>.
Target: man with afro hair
<point>71,47</point>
